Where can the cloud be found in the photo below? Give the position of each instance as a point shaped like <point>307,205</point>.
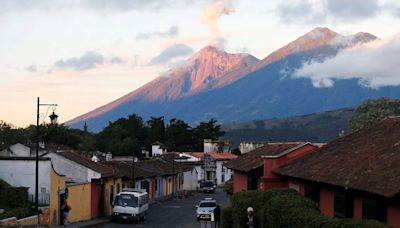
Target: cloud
<point>375,64</point>
<point>354,9</point>
<point>393,8</point>
<point>171,32</point>
<point>213,12</point>
<point>300,12</point>
<point>315,11</point>
<point>117,60</point>
<point>87,61</point>
<point>32,68</point>
<point>171,53</point>
<point>96,5</point>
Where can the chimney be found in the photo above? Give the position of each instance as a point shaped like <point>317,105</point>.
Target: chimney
<point>109,156</point>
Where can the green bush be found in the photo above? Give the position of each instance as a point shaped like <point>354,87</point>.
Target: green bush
<point>256,199</point>
<point>226,218</point>
<point>281,208</point>
<point>11,197</point>
<point>20,212</point>
<point>4,184</point>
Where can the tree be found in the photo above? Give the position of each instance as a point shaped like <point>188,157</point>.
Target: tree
<point>10,135</point>
<point>236,151</point>
<point>124,136</point>
<point>371,111</point>
<point>156,130</point>
<point>207,130</point>
<point>179,136</point>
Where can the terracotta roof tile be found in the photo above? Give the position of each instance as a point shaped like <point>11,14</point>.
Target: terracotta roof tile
<point>98,167</point>
<point>366,160</point>
<point>253,159</point>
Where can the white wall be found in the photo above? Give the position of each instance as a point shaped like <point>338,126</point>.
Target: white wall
<point>72,170</point>
<point>210,146</point>
<point>156,150</point>
<point>245,147</point>
<point>223,173</point>
<point>21,173</point>
<point>190,180</point>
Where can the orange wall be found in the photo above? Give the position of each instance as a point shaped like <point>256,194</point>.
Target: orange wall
<point>326,201</point>
<point>239,182</point>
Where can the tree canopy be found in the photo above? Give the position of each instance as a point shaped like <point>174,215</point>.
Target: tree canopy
<point>371,111</point>
<point>125,136</point>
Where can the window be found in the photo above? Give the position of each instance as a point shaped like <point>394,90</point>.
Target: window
<point>311,191</point>
<point>343,204</point>
<point>126,200</point>
<point>155,185</point>
<point>373,209</point>
<point>118,188</point>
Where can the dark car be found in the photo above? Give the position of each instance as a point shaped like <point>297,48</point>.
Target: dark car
<point>208,186</point>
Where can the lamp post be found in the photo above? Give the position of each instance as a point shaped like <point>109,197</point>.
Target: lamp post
<point>53,120</point>
<point>173,174</point>
<point>133,170</point>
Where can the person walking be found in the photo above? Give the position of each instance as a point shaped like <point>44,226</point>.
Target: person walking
<point>65,208</point>
<point>249,221</point>
<point>217,215</point>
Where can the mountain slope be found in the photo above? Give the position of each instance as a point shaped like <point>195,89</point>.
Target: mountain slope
<point>320,127</point>
<point>238,88</point>
<point>208,69</point>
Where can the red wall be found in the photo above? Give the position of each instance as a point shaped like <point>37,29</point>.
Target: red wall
<point>95,198</point>
<point>271,180</point>
<point>393,215</point>
<point>357,208</point>
<point>326,200</point>
<point>239,182</point>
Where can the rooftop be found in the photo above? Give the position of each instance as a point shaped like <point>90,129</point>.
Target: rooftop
<point>76,157</point>
<point>253,159</point>
<point>366,160</point>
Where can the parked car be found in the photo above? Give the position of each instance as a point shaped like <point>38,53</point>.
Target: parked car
<point>205,209</point>
<point>208,186</point>
<point>130,205</point>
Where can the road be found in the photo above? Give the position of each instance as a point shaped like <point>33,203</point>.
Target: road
<point>179,213</point>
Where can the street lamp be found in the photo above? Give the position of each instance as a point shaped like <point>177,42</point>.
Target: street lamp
<point>53,119</point>
<point>173,172</point>
<point>133,170</point>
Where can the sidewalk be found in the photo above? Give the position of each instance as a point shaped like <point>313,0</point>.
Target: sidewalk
<point>89,223</point>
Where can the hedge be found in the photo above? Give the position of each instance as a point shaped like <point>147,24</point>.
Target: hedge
<point>20,212</point>
<point>281,208</point>
<point>12,197</point>
<point>226,218</point>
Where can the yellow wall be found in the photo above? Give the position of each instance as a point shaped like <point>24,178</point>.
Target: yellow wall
<point>57,183</point>
<point>80,202</point>
<point>110,183</point>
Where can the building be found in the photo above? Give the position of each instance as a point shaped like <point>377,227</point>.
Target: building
<point>21,171</point>
<point>355,176</point>
<point>98,182</point>
<point>252,171</point>
<point>213,166</point>
<point>245,147</point>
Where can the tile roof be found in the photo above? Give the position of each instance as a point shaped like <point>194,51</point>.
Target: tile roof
<point>124,169</point>
<point>253,159</point>
<point>98,167</point>
<point>216,156</point>
<point>223,156</point>
<point>366,160</point>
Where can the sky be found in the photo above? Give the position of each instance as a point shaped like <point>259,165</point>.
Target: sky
<point>82,54</point>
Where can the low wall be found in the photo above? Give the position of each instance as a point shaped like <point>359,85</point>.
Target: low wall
<point>32,220</point>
